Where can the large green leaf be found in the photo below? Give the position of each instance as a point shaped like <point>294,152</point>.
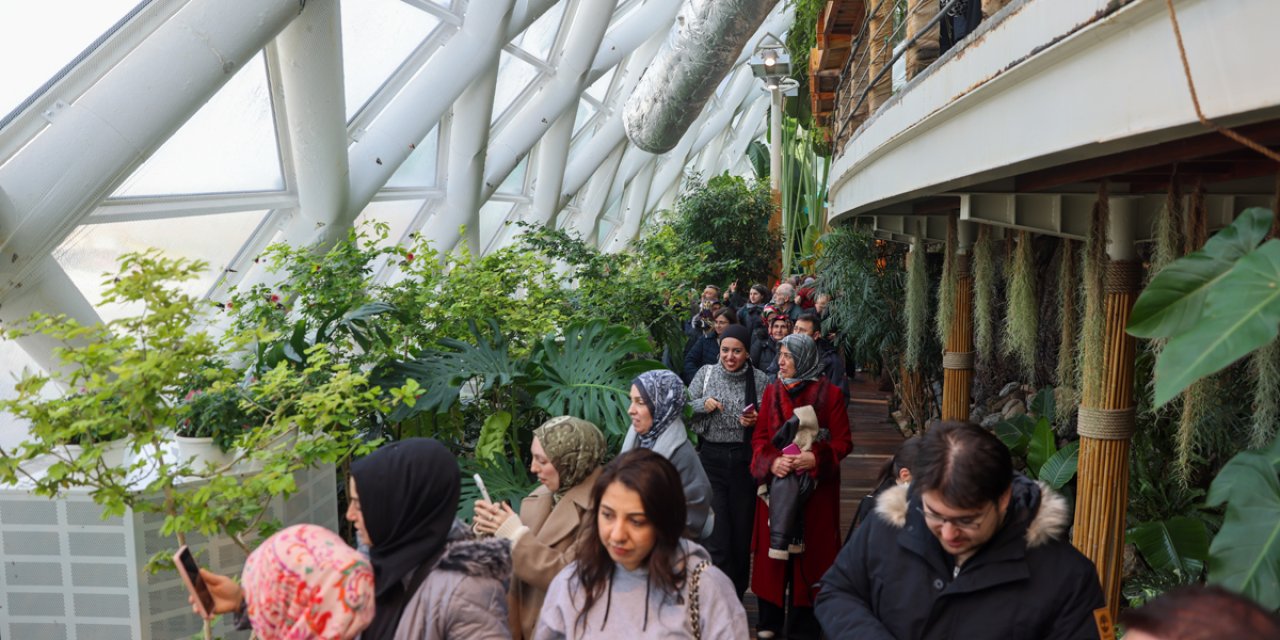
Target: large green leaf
<point>1061,467</point>
<point>1177,545</point>
<point>1242,313</point>
<point>1176,297</point>
<point>587,373</point>
<point>1043,403</point>
<point>1245,555</point>
<point>1042,446</point>
<point>492,435</point>
<point>442,371</point>
<point>1015,433</point>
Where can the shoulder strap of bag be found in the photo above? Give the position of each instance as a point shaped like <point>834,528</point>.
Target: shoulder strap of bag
<point>695,616</point>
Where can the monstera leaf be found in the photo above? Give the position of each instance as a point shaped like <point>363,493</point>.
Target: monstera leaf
<point>1245,555</point>
<point>441,371</point>
<point>587,373</point>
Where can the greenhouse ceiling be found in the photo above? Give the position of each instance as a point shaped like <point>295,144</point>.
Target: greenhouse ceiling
<point>212,128</point>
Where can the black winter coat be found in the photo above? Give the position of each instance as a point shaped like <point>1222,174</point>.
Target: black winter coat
<point>705,350</point>
<point>893,581</point>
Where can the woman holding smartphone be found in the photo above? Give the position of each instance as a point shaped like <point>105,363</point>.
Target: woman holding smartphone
<point>725,397</point>
<point>634,576</point>
<point>566,456</point>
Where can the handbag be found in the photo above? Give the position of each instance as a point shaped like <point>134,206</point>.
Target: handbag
<point>695,616</point>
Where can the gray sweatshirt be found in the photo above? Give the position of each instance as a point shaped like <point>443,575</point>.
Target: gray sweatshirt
<point>667,615</point>
<point>713,381</point>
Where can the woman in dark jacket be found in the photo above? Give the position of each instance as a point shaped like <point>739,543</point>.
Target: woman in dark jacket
<point>764,353</point>
<point>800,384</point>
<point>750,315</point>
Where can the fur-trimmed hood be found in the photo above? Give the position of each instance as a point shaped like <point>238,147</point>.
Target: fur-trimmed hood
<point>475,557</point>
<point>1049,522</point>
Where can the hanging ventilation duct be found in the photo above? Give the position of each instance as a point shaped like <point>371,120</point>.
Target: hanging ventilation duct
<point>709,36</point>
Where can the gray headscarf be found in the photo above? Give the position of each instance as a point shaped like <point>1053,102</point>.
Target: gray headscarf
<point>804,351</point>
<point>575,448</point>
<point>663,393</point>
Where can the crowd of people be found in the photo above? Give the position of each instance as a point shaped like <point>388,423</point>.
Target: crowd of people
<point>665,539</point>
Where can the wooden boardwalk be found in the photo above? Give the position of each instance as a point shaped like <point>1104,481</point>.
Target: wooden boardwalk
<point>875,440</point>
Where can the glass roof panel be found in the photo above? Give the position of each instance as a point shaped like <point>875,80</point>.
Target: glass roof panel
<point>93,250</point>
<point>600,88</point>
<point>585,112</point>
<point>396,214</point>
<point>228,145</point>
<point>514,75</point>
<point>419,169</point>
<point>514,184</point>
<point>44,28</point>
<point>540,35</point>
<point>377,36</point>
<point>492,215</point>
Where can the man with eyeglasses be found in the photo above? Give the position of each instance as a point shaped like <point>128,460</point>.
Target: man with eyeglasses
<point>971,550</point>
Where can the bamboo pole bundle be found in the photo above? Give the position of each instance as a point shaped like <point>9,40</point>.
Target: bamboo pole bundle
<point>957,361</point>
<point>880,28</point>
<point>925,49</point>
<point>1106,415</point>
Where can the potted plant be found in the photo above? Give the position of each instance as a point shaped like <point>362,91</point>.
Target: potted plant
<point>215,418</point>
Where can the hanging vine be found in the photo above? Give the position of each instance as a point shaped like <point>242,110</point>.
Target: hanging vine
<point>947,286</point>
<point>1197,398</point>
<point>1021,314</point>
<point>1092,325</point>
<point>1264,366</point>
<point>1069,329</point>
<point>984,283</point>
<point>917,304</point>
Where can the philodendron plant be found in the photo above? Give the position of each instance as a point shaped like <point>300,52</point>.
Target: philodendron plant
<point>130,376</point>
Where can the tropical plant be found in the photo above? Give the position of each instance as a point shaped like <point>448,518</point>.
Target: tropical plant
<point>732,216</point>
<point>1031,437</point>
<point>131,375</point>
<point>866,281</point>
<point>1245,554</point>
<point>222,412</point>
<point>804,195</point>
<point>1214,305</point>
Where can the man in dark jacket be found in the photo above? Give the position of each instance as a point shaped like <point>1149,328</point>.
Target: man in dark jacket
<point>832,366</point>
<point>973,551</point>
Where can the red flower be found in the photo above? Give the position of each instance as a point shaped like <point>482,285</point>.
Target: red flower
<point>408,257</point>
<point>275,298</point>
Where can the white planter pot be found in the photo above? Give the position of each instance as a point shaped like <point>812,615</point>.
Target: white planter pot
<point>202,452</point>
<point>115,452</point>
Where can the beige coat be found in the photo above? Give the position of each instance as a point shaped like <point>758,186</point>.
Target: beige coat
<point>539,554</point>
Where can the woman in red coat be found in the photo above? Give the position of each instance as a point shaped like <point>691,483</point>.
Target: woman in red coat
<point>800,383</point>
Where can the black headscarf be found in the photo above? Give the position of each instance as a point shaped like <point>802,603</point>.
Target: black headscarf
<point>741,334</point>
<point>408,496</point>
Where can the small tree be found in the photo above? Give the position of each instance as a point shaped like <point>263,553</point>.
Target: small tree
<point>732,216</point>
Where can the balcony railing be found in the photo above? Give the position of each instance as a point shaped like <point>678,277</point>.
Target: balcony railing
<point>868,48</point>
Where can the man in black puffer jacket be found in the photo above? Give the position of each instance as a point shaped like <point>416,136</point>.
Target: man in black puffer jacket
<point>973,551</point>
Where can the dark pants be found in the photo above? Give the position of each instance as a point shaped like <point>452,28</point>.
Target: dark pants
<point>733,500</point>
<point>804,625</point>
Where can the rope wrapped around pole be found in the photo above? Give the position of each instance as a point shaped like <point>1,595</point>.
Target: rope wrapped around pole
<point>1106,424</point>
<point>1122,276</point>
<point>958,360</point>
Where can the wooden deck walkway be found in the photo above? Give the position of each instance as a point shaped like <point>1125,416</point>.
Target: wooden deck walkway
<point>875,440</point>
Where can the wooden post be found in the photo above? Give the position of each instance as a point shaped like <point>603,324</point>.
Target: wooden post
<point>925,49</point>
<point>879,32</point>
<point>957,357</point>
<point>1106,429</point>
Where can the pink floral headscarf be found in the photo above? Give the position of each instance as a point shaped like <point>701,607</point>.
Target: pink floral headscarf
<point>305,583</point>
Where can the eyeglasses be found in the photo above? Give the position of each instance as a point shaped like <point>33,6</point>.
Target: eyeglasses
<point>966,523</point>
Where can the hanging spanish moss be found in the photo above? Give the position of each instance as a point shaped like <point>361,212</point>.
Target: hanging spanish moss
<point>1069,329</point>
<point>1168,244</point>
<point>1021,313</point>
<point>1197,397</point>
<point>984,285</point>
<point>917,310</point>
<point>1092,324</point>
<point>1264,366</point>
<point>947,286</point>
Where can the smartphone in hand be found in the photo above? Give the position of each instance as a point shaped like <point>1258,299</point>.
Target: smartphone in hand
<point>751,408</point>
<point>190,572</point>
<point>483,491</point>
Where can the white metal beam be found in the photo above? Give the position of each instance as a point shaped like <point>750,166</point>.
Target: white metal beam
<point>472,114</point>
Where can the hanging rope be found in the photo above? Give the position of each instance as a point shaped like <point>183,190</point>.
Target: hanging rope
<point>1195,99</point>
